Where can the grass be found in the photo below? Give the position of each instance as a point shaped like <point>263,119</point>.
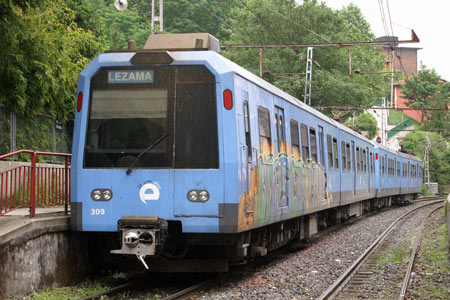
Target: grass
<point>82,290</point>
<point>435,250</point>
<point>393,256</point>
<point>437,260</point>
<point>395,117</point>
<point>68,293</point>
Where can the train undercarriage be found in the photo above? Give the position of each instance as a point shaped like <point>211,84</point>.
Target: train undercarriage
<point>161,246</point>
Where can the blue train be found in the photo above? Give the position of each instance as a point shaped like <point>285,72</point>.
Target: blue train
<point>197,164</point>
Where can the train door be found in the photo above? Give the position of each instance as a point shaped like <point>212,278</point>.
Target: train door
<point>249,153</point>
<point>408,176</point>
<point>354,169</point>
<point>368,163</point>
<point>395,174</point>
<point>282,165</point>
<point>322,160</point>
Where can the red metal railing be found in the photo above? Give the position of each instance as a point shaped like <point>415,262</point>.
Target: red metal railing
<point>35,186</point>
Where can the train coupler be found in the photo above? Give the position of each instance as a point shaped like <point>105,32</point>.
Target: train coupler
<point>141,236</point>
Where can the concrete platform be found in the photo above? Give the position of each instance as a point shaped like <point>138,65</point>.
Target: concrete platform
<point>39,211</point>
<point>21,215</point>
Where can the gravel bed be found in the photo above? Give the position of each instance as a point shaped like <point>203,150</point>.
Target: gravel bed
<point>393,257</point>
<point>307,273</point>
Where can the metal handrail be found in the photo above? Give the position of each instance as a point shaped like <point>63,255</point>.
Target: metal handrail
<point>34,154</point>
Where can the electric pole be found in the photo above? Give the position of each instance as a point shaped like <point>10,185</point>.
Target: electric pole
<point>157,18</point>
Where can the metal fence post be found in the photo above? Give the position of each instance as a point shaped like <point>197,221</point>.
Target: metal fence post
<point>66,187</point>
<point>33,186</point>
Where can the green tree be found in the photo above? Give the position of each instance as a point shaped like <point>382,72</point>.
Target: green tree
<point>43,51</point>
<point>439,154</point>
<point>365,122</point>
<point>284,21</point>
<point>425,88</point>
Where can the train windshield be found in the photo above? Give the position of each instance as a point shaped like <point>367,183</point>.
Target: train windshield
<point>163,117</point>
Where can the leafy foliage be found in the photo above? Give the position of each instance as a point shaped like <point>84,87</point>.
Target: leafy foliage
<point>366,122</point>
<point>439,154</point>
<point>426,90</point>
<point>311,22</point>
<point>43,53</point>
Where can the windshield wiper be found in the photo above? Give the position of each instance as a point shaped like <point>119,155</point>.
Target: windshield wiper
<point>159,140</point>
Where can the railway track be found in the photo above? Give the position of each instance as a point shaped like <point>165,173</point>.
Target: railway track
<point>201,285</point>
<point>354,283</point>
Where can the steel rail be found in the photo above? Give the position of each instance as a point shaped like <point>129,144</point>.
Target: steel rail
<point>111,290</point>
<point>185,293</point>
<point>413,256</point>
<point>338,284</point>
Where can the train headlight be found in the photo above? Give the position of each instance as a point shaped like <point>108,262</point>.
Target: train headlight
<point>203,196</point>
<point>101,195</point>
<point>107,195</point>
<point>192,196</point>
<point>96,195</point>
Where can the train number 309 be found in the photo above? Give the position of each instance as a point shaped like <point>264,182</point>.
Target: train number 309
<point>97,212</point>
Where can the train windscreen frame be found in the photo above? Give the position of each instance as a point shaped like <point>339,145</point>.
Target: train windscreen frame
<point>152,117</point>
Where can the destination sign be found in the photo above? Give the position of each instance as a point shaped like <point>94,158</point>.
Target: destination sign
<point>128,76</point>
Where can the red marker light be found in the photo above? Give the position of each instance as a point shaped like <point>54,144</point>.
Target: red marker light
<point>79,101</point>
<point>376,155</point>
<point>227,99</point>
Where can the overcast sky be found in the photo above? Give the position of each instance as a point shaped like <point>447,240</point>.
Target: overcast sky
<point>429,19</point>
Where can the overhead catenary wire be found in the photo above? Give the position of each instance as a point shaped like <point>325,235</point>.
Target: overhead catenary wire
<point>223,21</point>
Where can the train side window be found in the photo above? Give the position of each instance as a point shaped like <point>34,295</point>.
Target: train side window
<point>295,139</point>
<point>322,159</point>
<point>265,138</point>
<point>364,161</point>
<point>358,160</point>
<point>343,154</point>
<point>335,153</point>
<point>389,167</point>
<point>280,130</point>
<point>330,152</point>
<point>248,141</point>
<point>398,169</point>
<point>305,142</point>
<point>312,135</point>
<point>383,167</point>
<point>349,158</point>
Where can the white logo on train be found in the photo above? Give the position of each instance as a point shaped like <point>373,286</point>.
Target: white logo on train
<point>149,191</point>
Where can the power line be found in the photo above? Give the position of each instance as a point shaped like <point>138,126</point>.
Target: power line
<point>390,19</point>
<point>221,20</point>
<point>294,22</point>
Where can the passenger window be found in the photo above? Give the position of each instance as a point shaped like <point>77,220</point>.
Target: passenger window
<point>248,141</point>
<point>321,146</point>
<point>358,160</point>
<point>265,138</point>
<point>295,139</point>
<point>349,158</point>
<point>364,161</point>
<point>305,143</point>
<point>344,159</point>
<point>330,152</point>
<point>335,154</point>
<point>312,135</point>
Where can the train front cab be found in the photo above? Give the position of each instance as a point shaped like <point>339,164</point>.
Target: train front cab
<point>149,153</point>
